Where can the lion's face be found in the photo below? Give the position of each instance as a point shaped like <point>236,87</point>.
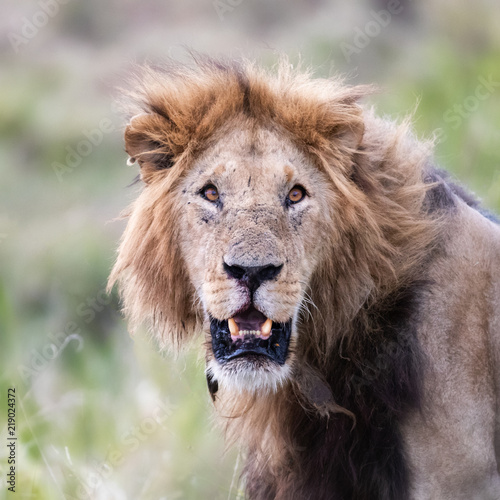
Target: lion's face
<point>251,239</point>
<point>249,220</point>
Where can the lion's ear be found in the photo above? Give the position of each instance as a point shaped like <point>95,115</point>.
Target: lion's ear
<point>145,142</point>
<point>351,136</point>
<point>349,133</point>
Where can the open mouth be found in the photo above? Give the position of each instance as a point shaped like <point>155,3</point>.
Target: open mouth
<point>248,334</point>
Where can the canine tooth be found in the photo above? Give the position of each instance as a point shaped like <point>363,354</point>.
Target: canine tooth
<point>233,327</point>
<point>265,329</point>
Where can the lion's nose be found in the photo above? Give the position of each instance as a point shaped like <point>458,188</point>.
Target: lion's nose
<point>254,276</point>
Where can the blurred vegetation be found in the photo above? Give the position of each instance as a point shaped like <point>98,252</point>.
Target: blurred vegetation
<point>104,416</point>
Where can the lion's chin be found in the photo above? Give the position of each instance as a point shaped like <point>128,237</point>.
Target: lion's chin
<point>249,374</point>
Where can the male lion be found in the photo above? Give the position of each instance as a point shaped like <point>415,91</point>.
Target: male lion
<point>348,292</point>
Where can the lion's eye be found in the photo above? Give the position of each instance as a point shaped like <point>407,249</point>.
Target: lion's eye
<point>296,194</point>
<point>210,193</point>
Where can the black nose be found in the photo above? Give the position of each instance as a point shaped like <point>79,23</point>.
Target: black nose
<point>253,276</point>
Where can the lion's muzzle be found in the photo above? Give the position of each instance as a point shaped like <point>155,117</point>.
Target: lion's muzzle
<point>249,332</point>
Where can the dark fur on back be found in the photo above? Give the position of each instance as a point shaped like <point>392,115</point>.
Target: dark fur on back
<point>442,195</point>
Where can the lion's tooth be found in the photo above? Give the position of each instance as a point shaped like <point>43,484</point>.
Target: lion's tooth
<point>265,329</point>
<point>233,327</point>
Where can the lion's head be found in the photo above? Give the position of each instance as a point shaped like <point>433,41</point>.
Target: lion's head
<point>258,209</point>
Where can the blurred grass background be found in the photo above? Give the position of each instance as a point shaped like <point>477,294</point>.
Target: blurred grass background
<point>104,416</point>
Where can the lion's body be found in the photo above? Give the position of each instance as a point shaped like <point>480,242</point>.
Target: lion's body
<point>379,377</point>
<point>453,444</point>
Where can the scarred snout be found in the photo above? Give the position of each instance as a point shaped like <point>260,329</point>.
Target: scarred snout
<point>251,321</point>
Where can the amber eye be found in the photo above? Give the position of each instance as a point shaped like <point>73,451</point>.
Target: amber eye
<point>296,194</point>
<point>210,193</point>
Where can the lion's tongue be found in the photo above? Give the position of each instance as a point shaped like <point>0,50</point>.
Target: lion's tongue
<point>250,321</point>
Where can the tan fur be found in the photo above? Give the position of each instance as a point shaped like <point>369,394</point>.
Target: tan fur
<point>454,443</point>
<point>364,231</point>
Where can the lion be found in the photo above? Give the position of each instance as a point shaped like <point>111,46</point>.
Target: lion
<point>346,289</point>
